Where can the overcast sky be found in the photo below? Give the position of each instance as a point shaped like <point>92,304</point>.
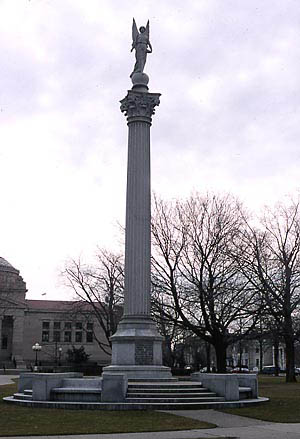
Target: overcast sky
<point>229,74</point>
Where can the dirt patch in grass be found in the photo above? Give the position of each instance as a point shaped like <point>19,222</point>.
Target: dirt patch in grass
<point>284,404</point>
<point>23,421</point>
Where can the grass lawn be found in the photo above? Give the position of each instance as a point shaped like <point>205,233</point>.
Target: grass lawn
<point>284,404</point>
<point>22,421</point>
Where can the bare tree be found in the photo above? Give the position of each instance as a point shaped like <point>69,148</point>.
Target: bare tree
<point>171,331</point>
<point>98,290</point>
<point>205,291</point>
<point>271,259</point>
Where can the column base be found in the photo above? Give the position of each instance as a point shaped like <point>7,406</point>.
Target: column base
<point>139,372</point>
<point>137,349</point>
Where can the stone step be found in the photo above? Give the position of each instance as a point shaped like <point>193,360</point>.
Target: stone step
<point>27,391</point>
<point>245,392</point>
<point>164,390</point>
<point>22,396</point>
<point>164,386</point>
<point>245,389</point>
<point>171,395</point>
<point>181,401</point>
<point>153,380</point>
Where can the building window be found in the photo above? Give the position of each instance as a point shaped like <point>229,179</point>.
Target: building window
<point>56,336</point>
<point>78,337</point>
<point>68,325</point>
<point>45,336</point>
<point>56,325</point>
<point>257,362</point>
<point>89,337</point>
<point>46,325</point>
<point>257,350</point>
<point>89,326</point>
<point>67,336</point>
<point>78,325</point>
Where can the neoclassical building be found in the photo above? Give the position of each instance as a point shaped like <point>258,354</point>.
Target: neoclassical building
<point>51,323</point>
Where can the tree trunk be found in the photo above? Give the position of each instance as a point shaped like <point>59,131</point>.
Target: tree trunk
<point>276,356</point>
<point>290,358</point>
<point>261,355</point>
<point>207,348</point>
<point>220,348</point>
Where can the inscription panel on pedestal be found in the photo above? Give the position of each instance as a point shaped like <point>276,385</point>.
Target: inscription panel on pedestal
<point>143,352</point>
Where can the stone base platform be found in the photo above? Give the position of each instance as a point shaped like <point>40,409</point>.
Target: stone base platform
<point>115,393</point>
<point>134,406</point>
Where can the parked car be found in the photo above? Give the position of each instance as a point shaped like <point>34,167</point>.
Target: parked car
<point>270,370</point>
<point>212,369</point>
<point>242,369</point>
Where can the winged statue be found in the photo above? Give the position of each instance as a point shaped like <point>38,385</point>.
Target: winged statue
<point>142,46</point>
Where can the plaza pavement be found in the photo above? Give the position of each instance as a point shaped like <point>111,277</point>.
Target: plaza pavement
<point>228,426</point>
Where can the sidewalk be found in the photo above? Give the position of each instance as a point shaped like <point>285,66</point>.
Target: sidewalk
<point>266,431</point>
<point>7,379</point>
<point>230,426</point>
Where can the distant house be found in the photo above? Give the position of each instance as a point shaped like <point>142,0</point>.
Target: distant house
<point>55,325</point>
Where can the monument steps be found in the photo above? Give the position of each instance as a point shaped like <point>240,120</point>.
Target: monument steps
<point>152,380</point>
<point>169,393</point>
<point>28,392</point>
<point>174,400</point>
<point>144,395</point>
<point>154,386</point>
<point>135,390</point>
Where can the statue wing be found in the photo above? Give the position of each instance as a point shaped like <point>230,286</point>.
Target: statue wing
<point>147,31</point>
<point>135,31</point>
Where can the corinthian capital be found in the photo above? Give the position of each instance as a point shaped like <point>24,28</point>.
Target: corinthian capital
<point>139,104</point>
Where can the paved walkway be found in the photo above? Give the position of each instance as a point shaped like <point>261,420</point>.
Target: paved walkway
<point>228,426</point>
<point>7,379</point>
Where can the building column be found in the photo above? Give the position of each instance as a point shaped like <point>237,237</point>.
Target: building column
<point>17,341</point>
<point>1,319</point>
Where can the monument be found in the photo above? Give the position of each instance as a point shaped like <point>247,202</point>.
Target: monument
<point>137,345</point>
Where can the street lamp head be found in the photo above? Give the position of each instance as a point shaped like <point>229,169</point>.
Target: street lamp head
<point>36,347</point>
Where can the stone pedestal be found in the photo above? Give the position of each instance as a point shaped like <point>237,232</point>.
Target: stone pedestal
<point>137,345</point>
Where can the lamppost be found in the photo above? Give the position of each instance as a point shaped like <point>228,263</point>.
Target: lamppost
<point>59,355</point>
<point>36,348</point>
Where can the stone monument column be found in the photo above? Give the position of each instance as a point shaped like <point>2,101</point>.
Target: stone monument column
<point>138,107</point>
<point>137,345</point>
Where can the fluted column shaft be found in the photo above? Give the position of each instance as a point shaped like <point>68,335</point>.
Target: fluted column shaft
<point>138,217</point>
<point>138,107</point>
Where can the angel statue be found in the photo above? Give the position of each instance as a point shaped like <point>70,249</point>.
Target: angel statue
<point>142,46</point>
